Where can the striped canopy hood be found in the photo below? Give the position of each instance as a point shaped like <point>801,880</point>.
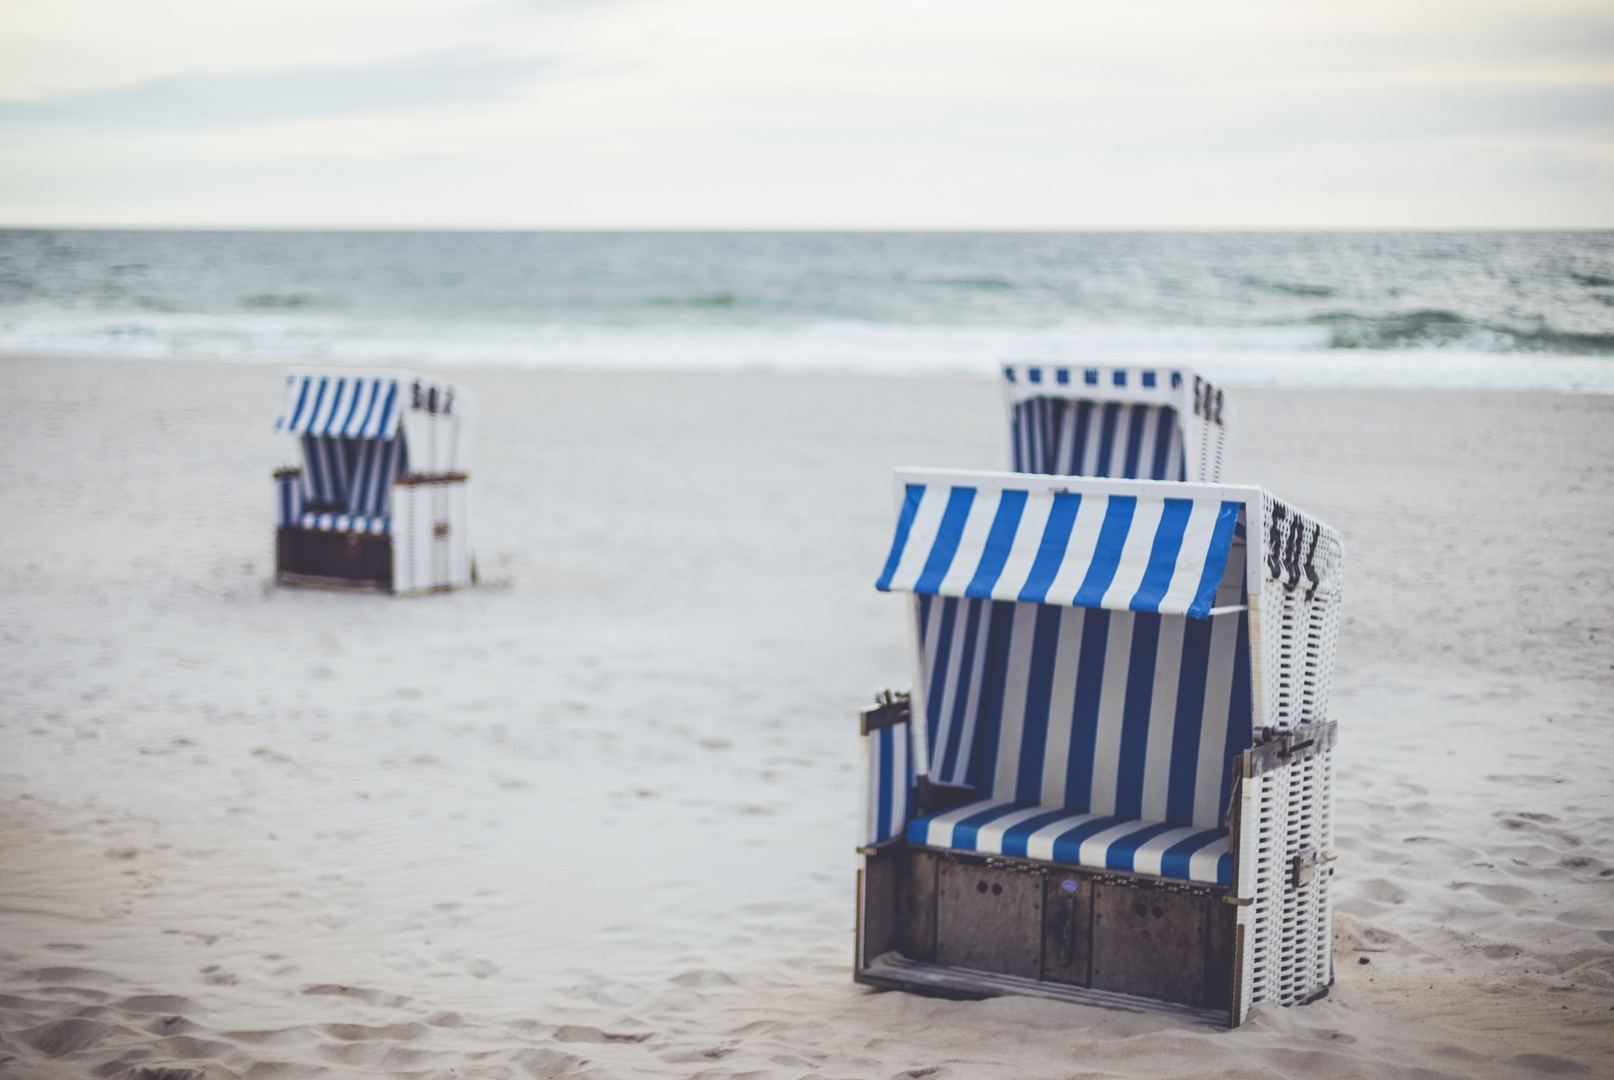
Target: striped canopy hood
<point>1121,545</point>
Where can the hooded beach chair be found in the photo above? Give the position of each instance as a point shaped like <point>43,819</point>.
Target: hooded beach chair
<point>1113,781</point>
<point>1137,423</point>
<point>382,500</point>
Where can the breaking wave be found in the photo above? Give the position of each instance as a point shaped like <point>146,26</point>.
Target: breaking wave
<point>1493,309</point>
<point>1433,328</point>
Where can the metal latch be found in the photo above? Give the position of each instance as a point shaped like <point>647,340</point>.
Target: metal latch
<point>1303,867</point>
<point>1275,747</point>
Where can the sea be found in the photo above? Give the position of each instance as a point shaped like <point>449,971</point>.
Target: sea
<point>1521,310</point>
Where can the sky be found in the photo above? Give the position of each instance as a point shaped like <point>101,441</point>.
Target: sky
<point>823,114</point>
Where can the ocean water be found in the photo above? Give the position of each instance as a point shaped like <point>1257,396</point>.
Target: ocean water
<point>1484,309</point>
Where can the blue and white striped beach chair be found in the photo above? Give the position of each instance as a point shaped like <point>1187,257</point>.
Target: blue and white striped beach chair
<point>1136,423</point>
<point>1114,775</point>
<point>382,500</point>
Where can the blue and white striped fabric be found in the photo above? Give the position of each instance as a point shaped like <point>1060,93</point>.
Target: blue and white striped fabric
<point>1096,841</point>
<point>341,406</point>
<point>373,524</point>
<point>890,780</point>
<point>376,463</point>
<point>1086,438</point>
<point>289,501</point>
<point>356,473</point>
<point>1104,382</point>
<point>1132,714</point>
<point>1123,552</point>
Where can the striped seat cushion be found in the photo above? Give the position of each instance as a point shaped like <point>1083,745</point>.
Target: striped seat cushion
<point>1094,841</point>
<point>373,524</point>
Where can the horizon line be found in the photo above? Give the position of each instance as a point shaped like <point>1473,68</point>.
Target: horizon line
<point>804,229</point>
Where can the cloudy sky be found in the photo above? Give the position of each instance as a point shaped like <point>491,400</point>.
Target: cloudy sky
<point>808,113</point>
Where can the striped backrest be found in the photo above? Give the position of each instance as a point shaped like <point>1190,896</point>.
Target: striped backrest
<point>355,473</point>
<point>1088,438</point>
<point>376,463</point>
<point>325,469</point>
<point>1130,713</point>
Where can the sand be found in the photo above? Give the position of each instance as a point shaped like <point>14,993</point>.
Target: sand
<point>595,816</point>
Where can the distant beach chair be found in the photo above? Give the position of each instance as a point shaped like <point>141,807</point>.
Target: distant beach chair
<point>1137,423</point>
<point>1113,783</point>
<point>382,500</point>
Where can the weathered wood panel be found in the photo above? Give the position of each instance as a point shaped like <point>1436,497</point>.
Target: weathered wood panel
<point>915,932</point>
<point>877,906</point>
<point>1221,934</point>
<point>989,919</point>
<point>334,558</point>
<point>1151,942</point>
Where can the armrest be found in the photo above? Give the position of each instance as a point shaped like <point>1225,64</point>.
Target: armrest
<point>888,709</point>
<point>887,767</point>
<point>932,798</point>
<point>288,496</point>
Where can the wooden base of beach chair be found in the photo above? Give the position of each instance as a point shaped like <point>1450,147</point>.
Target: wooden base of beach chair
<point>333,559</point>
<point>965,925</point>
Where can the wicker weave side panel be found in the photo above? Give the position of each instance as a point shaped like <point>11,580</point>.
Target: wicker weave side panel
<point>1297,632</point>
<point>1246,874</point>
<point>432,533</point>
<point>1208,417</point>
<point>1263,926</point>
<point>1304,954</point>
<point>1287,930</point>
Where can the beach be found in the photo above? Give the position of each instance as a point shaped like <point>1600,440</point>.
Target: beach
<point>596,816</point>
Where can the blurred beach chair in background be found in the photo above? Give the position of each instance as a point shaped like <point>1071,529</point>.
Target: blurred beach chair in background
<point>1114,779</point>
<point>382,500</point>
<point>1136,423</point>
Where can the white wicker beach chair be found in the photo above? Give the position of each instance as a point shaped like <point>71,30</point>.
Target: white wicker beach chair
<point>1137,423</point>
<point>382,500</point>
<point>1113,782</point>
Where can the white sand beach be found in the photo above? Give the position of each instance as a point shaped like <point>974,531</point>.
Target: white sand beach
<point>595,817</point>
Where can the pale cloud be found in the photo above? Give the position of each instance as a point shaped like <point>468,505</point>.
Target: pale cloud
<point>775,113</point>
<point>194,101</point>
